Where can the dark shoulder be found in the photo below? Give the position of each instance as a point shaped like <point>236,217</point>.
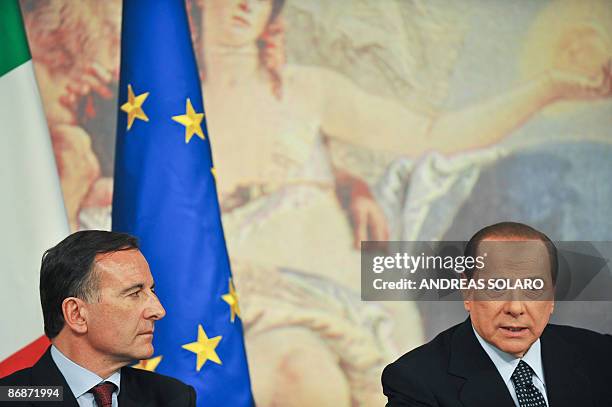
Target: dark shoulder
<point>429,358</point>
<point>144,376</point>
<point>580,338</point>
<point>437,350</point>
<point>164,389</point>
<point>413,378</point>
<point>21,377</point>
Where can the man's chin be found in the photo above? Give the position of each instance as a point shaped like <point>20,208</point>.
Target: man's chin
<point>144,352</point>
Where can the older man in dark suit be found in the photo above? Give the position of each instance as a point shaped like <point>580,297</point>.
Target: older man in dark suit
<point>99,307</point>
<point>506,353</point>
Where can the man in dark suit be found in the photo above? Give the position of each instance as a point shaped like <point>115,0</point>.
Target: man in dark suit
<point>506,354</point>
<point>99,307</point>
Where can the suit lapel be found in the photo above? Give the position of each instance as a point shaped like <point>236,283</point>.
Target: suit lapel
<point>566,381</point>
<point>46,372</point>
<point>483,385</point>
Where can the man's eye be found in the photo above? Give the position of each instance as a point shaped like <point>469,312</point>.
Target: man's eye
<point>134,294</point>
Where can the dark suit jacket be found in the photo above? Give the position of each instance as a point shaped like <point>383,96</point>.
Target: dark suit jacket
<point>138,387</point>
<point>453,370</point>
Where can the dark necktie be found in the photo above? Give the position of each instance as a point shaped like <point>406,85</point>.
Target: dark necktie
<point>527,394</point>
<point>103,393</point>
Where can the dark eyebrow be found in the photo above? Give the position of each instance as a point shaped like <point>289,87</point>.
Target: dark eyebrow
<point>140,286</point>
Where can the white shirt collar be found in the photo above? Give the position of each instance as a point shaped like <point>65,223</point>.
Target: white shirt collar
<point>79,379</point>
<point>506,363</point>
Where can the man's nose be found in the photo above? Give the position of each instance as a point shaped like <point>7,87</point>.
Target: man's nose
<point>154,308</point>
<point>514,308</point>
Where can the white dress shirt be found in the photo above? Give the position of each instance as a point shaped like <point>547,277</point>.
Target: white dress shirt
<point>81,380</point>
<point>506,363</point>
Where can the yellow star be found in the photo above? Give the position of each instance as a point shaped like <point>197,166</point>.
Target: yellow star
<point>133,107</point>
<point>191,120</point>
<point>204,348</point>
<point>148,364</point>
<point>232,299</point>
<point>213,171</point>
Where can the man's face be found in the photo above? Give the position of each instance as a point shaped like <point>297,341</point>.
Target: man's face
<point>120,324</point>
<point>514,321</point>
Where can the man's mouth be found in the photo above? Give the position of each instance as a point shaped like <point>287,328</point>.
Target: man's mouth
<point>514,331</point>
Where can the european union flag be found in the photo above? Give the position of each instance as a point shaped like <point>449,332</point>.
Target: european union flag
<point>165,195</point>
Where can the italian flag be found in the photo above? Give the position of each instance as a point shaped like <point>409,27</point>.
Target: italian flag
<point>32,214</point>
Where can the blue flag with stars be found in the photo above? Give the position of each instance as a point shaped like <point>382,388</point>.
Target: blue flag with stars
<point>165,194</point>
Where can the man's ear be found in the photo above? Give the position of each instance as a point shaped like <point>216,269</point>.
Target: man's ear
<point>75,314</point>
<point>467,304</point>
<point>552,307</point>
<point>467,295</point>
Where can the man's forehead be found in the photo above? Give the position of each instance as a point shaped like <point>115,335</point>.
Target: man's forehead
<point>511,246</point>
<point>125,266</point>
<point>515,254</point>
